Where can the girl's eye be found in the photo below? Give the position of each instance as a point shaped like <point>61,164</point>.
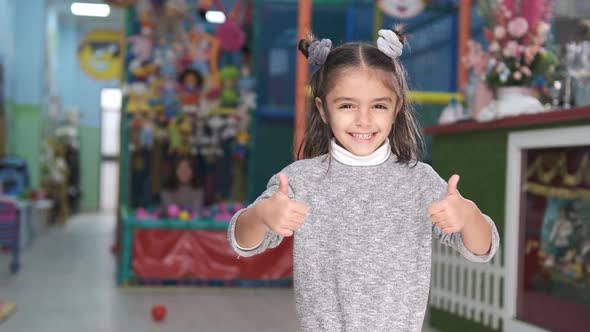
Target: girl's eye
<point>346,106</point>
<point>381,107</point>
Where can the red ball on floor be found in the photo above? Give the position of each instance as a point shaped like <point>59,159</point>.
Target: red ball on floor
<point>158,312</point>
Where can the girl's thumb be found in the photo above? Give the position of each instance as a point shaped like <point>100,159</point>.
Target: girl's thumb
<point>283,184</point>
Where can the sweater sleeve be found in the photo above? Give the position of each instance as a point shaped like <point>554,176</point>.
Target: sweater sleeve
<point>437,191</point>
<point>270,240</point>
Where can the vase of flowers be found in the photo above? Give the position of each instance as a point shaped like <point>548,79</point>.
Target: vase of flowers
<point>518,54</point>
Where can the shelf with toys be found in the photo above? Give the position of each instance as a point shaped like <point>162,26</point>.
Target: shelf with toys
<point>186,145</point>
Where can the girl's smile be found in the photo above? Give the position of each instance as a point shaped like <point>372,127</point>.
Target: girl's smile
<point>363,138</point>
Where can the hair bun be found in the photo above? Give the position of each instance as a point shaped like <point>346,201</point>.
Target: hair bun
<point>390,43</point>
<point>318,51</point>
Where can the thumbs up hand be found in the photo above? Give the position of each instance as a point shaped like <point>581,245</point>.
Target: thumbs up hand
<point>451,213</point>
<point>281,214</point>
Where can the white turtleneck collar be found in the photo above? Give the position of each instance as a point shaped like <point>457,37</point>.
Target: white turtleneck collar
<point>344,156</point>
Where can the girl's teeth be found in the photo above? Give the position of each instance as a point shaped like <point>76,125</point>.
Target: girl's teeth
<point>360,136</point>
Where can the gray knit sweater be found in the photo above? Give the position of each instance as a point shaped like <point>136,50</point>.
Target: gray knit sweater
<point>362,259</point>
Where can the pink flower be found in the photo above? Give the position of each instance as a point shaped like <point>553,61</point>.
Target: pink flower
<point>494,47</point>
<point>475,57</point>
<point>499,32</point>
<point>543,28</point>
<point>517,75</point>
<point>510,49</point>
<point>526,71</point>
<point>518,27</point>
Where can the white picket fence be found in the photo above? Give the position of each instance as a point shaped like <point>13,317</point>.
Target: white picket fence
<point>469,290</point>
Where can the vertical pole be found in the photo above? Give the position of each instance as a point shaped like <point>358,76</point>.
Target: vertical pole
<point>464,36</point>
<point>454,54</point>
<point>303,28</point>
<point>377,20</point>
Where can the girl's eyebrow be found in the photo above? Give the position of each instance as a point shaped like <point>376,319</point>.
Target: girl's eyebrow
<point>354,99</point>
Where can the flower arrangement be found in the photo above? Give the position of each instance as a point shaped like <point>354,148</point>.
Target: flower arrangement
<point>518,43</point>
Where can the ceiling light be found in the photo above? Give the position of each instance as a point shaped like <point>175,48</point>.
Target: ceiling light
<point>90,9</point>
<point>214,16</point>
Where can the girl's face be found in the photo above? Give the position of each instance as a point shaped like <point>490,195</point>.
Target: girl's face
<point>184,173</point>
<point>361,110</point>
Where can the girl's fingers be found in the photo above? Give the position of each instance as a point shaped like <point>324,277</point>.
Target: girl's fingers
<point>438,217</point>
<point>298,218</point>
<point>443,224</point>
<point>299,207</point>
<point>284,232</point>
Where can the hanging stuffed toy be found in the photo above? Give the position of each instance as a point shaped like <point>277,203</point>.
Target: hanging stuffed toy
<point>166,57</point>
<point>156,102</point>
<point>229,95</point>
<point>190,86</point>
<point>174,138</point>
<point>246,81</point>
<point>170,23</point>
<point>169,98</point>
<point>185,128</point>
<point>230,129</point>
<point>141,67</point>
<point>204,52</point>
<point>229,33</point>
<point>138,98</point>
<point>146,136</point>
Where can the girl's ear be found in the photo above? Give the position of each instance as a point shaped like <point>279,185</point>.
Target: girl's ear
<point>320,106</point>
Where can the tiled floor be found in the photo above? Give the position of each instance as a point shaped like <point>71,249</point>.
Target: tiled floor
<point>67,285</point>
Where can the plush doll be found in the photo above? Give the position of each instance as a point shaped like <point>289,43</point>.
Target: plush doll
<point>189,90</point>
<point>165,57</point>
<point>246,81</point>
<point>171,20</point>
<point>174,138</point>
<point>138,98</point>
<point>169,98</point>
<point>204,52</point>
<point>141,67</point>
<point>156,102</point>
<point>229,95</point>
<point>146,136</point>
<point>185,128</point>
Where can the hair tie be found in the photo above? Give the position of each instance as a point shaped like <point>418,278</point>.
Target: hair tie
<point>389,43</point>
<point>318,51</point>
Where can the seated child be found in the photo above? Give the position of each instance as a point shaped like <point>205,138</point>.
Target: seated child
<point>182,189</point>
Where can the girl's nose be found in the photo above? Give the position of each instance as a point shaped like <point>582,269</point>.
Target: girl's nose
<point>363,117</point>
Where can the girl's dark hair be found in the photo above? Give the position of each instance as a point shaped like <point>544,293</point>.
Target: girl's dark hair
<point>173,183</point>
<point>406,138</point>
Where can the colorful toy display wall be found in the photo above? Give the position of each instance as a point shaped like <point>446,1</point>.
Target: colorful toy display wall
<point>189,95</point>
<point>188,99</point>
